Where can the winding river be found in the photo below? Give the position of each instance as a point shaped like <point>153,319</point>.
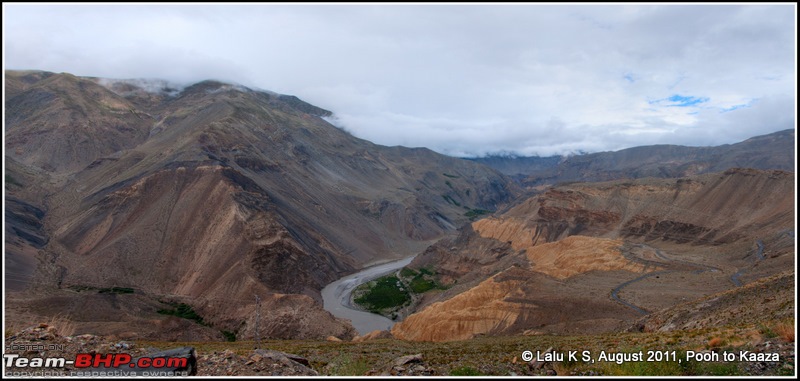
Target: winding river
<point>336,297</point>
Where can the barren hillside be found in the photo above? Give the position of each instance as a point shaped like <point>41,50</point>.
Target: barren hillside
<point>591,257</point>
<point>207,195</point>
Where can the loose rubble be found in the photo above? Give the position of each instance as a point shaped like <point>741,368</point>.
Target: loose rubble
<point>259,362</point>
<point>542,367</point>
<point>43,341</point>
<point>411,365</point>
<point>786,352</point>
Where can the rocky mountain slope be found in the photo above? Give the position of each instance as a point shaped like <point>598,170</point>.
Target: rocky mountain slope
<point>207,195</point>
<point>771,151</point>
<point>594,257</point>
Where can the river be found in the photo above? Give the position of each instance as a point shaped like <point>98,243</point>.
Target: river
<point>336,297</point>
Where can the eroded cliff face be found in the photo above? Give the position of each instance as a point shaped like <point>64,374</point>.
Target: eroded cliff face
<point>520,298</point>
<point>711,209</point>
<point>586,257</point>
<point>178,224</point>
<point>560,259</point>
<point>480,309</point>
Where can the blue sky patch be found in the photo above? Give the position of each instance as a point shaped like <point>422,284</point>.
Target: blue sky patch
<point>735,107</point>
<point>678,100</point>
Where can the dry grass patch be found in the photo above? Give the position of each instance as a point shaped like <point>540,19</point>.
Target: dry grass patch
<point>63,325</point>
<point>715,342</point>
<point>785,330</point>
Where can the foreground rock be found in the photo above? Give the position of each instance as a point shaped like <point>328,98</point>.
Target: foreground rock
<point>410,365</point>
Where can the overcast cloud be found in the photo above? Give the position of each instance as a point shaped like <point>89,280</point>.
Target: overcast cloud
<point>459,79</point>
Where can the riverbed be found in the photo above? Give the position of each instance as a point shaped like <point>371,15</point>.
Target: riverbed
<point>336,297</point>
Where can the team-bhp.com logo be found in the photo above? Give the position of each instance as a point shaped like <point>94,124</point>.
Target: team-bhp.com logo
<point>86,360</point>
<point>95,364</point>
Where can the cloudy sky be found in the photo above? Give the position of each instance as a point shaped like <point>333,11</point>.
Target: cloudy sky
<point>463,80</point>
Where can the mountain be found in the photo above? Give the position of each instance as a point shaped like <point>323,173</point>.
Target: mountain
<point>595,257</point>
<point>772,151</point>
<point>137,196</point>
<point>146,209</point>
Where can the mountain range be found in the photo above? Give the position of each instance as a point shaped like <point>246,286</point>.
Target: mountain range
<point>207,196</point>
<point>144,209</point>
<point>771,151</point>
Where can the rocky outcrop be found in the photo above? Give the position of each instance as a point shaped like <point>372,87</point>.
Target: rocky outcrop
<point>291,316</point>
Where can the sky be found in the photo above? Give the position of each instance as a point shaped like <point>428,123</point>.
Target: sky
<point>460,79</point>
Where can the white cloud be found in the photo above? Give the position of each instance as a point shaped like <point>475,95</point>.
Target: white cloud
<point>460,79</point>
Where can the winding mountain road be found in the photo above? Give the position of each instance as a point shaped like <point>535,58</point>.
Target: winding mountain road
<point>615,291</point>
<point>678,264</point>
<point>759,257</point>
